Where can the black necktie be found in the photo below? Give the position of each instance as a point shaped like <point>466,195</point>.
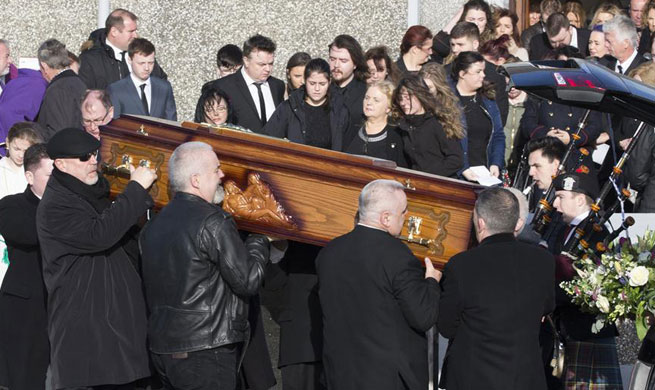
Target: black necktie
<point>620,69</point>
<point>144,99</point>
<point>262,106</point>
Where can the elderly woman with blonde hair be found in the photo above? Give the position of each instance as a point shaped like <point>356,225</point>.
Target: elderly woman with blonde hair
<point>377,137</point>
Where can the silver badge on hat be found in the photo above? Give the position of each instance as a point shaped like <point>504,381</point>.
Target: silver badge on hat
<point>568,183</point>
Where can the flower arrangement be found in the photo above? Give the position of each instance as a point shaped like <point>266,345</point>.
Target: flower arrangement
<point>618,285</point>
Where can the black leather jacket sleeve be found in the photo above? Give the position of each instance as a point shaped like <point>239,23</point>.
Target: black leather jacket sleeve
<point>241,265</point>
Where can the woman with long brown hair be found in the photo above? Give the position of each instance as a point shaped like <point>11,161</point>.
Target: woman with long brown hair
<point>431,140</point>
<point>449,112</point>
<point>507,24</point>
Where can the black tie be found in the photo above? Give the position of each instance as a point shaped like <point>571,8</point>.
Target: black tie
<point>620,69</point>
<point>262,106</point>
<point>144,99</point>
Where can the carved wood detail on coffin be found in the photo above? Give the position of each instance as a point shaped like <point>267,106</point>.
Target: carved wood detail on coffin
<point>437,223</point>
<point>122,156</point>
<point>256,203</point>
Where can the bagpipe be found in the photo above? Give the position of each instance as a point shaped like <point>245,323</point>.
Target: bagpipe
<point>580,241</point>
<point>543,212</point>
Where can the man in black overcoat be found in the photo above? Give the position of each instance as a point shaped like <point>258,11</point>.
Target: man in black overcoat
<point>60,107</point>
<point>96,309</point>
<point>376,299</point>
<point>493,300</point>
<point>24,347</point>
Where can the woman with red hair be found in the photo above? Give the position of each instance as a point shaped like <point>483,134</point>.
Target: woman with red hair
<point>506,24</point>
<point>415,49</point>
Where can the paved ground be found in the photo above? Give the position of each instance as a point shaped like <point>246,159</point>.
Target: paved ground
<point>273,339</point>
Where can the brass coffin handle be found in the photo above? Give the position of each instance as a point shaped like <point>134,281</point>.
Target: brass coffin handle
<point>122,170</point>
<point>414,228</point>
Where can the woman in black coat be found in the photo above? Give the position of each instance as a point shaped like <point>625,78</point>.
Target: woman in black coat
<point>312,115</point>
<point>431,143</point>
<point>377,137</point>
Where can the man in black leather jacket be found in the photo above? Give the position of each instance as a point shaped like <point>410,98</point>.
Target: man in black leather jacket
<point>198,275</point>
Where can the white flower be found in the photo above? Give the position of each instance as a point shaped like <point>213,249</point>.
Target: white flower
<point>643,257</point>
<point>638,276</point>
<point>603,304</point>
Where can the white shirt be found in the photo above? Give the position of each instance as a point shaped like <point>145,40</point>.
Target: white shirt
<point>266,91</point>
<point>118,55</point>
<point>625,65</point>
<point>12,180</point>
<point>574,38</point>
<point>137,84</point>
<point>576,221</point>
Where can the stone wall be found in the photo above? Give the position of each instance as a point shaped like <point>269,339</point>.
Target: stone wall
<point>188,33</point>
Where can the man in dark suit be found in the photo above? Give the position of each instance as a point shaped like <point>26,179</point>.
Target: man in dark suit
<point>622,42</point>
<point>253,92</point>
<point>105,62</point>
<point>493,300</point>
<point>140,93</point>
<point>377,301</point>
<point>24,346</point>
<point>559,33</point>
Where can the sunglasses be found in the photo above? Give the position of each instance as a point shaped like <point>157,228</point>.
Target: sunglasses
<point>88,156</point>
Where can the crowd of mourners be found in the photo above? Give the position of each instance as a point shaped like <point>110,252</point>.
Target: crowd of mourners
<point>96,298</point>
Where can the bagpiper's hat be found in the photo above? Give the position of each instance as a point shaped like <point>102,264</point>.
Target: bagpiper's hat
<point>577,182</point>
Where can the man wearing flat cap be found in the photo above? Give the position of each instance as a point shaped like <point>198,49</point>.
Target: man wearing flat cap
<point>590,358</point>
<point>96,310</point>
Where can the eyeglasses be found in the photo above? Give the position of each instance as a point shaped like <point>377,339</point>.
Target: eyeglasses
<point>216,111</point>
<point>91,122</point>
<point>88,156</point>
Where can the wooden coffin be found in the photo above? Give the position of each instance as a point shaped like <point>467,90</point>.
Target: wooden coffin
<point>295,191</point>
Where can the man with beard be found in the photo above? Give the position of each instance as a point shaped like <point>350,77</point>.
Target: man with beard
<point>96,311</point>
<point>349,71</point>
<point>198,277</point>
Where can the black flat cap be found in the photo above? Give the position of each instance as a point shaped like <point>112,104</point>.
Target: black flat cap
<point>578,182</point>
<point>71,143</point>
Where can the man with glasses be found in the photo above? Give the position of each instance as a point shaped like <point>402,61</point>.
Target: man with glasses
<point>97,111</point>
<point>96,310</point>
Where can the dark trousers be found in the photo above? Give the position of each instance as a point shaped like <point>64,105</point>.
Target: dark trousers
<point>214,368</point>
<point>303,376</point>
<point>127,386</point>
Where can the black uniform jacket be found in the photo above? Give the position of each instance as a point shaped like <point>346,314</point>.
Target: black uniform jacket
<point>377,306</point>
<point>24,347</point>
<point>493,299</point>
